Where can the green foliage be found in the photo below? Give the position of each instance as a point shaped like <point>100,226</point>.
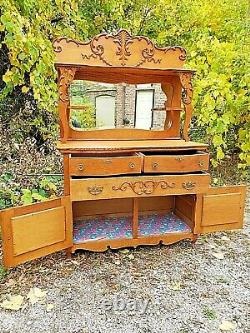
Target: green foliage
<point>215,34</point>
<point>84,118</point>
<point>209,313</point>
<point>28,77</point>
<point>3,272</point>
<point>12,193</point>
<point>28,28</point>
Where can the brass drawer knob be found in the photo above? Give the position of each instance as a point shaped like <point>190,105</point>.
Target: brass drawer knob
<point>179,158</point>
<point>201,163</point>
<point>154,165</point>
<point>131,165</point>
<point>80,167</point>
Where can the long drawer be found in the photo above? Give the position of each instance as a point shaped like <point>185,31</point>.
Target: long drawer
<point>138,186</point>
<point>173,163</point>
<point>105,165</point>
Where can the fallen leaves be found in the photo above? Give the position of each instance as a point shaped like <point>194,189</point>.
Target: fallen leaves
<point>124,251</point>
<point>16,302</point>
<point>176,286</point>
<point>35,295</point>
<point>218,255</point>
<point>11,283</point>
<point>50,307</point>
<point>131,256</point>
<point>13,302</point>
<point>225,239</point>
<point>227,326</point>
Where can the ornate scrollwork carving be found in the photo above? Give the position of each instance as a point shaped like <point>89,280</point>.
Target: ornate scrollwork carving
<point>120,49</point>
<point>186,82</point>
<point>187,95</point>
<point>143,187</point>
<point>66,76</point>
<point>123,41</point>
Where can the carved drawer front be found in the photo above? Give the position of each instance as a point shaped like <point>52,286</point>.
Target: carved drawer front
<point>138,186</point>
<point>177,163</point>
<point>105,165</point>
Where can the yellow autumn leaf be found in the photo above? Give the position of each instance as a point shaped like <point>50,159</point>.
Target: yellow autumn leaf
<point>225,238</point>
<point>227,326</point>
<point>175,286</point>
<point>50,307</point>
<point>35,295</point>
<point>218,255</point>
<point>14,302</point>
<point>124,251</point>
<point>131,256</point>
<point>25,89</point>
<point>7,76</point>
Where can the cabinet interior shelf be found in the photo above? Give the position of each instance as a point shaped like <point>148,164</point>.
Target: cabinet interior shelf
<point>119,227</point>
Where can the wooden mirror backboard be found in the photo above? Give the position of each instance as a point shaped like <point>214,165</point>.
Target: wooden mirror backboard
<point>123,60</point>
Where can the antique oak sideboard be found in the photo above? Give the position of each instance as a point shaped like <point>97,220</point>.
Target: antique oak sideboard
<point>124,187</point>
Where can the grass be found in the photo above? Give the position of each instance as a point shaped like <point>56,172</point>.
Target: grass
<point>209,313</point>
<point>3,273</point>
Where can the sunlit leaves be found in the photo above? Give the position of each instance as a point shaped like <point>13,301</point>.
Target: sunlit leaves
<point>28,31</point>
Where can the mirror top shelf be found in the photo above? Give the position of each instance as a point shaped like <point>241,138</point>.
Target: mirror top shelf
<point>125,75</point>
<point>127,145</point>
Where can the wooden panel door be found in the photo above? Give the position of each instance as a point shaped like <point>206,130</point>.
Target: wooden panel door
<point>222,209</point>
<point>33,231</point>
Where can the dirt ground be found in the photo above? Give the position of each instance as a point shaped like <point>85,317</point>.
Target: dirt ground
<point>173,289</point>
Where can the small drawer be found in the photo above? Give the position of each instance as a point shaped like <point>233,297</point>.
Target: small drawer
<point>175,163</point>
<point>105,165</point>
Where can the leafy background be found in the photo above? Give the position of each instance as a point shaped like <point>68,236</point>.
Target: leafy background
<point>215,34</point>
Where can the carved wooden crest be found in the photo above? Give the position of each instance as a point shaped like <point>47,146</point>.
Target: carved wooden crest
<point>118,50</point>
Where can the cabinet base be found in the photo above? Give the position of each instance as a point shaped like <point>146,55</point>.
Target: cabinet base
<point>103,245</point>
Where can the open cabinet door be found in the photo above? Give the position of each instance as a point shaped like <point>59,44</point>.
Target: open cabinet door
<point>33,231</point>
<point>223,208</point>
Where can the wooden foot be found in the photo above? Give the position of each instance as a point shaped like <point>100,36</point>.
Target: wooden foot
<point>194,240</point>
<point>68,253</point>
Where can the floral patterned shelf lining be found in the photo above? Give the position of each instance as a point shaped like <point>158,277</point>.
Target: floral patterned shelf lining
<point>107,227</point>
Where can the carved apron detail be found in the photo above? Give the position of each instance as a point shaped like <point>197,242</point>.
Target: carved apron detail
<point>140,187</point>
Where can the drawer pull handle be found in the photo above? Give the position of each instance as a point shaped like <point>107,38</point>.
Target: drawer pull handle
<point>80,167</point>
<point>201,163</point>
<point>179,158</point>
<point>108,161</point>
<point>188,185</point>
<point>95,190</point>
<point>155,165</point>
<point>131,165</point>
